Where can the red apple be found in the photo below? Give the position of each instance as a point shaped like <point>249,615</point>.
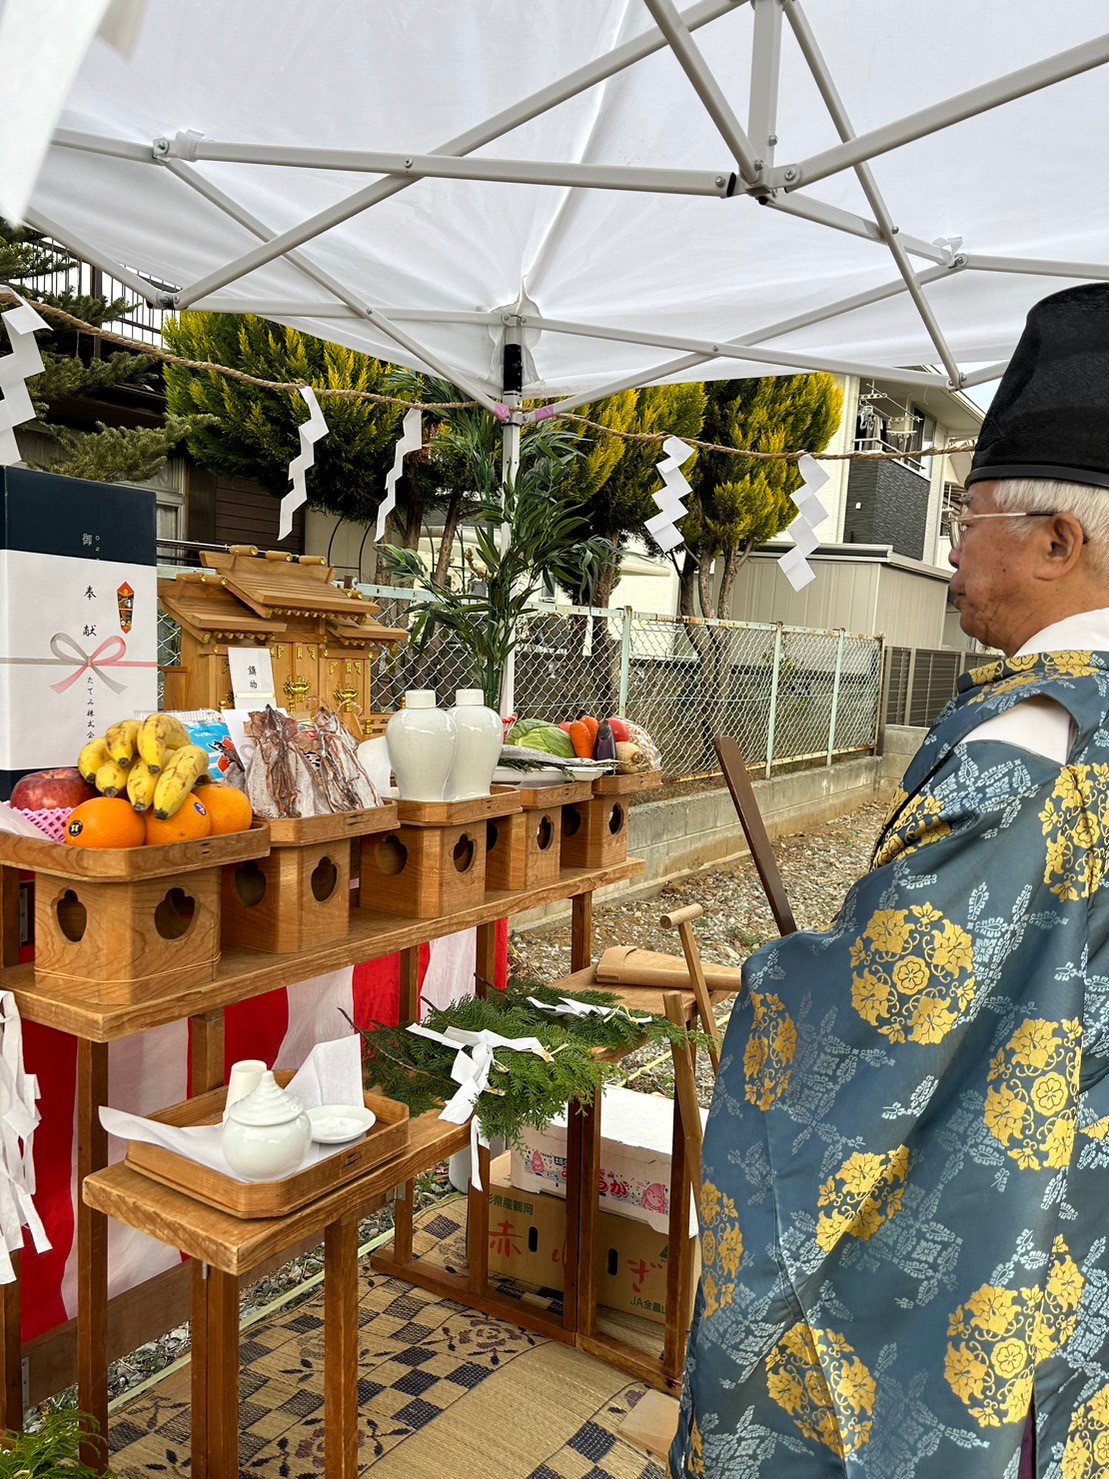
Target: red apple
<point>43,790</point>
<point>619,727</point>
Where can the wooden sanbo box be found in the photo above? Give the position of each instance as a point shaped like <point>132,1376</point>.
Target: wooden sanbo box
<point>126,925</point>
<point>595,832</point>
<point>522,850</point>
<point>299,896</point>
<point>433,863</point>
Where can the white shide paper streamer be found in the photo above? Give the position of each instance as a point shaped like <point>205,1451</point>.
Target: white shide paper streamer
<point>794,564</point>
<point>15,369</point>
<point>669,497</point>
<point>411,440</point>
<point>471,1071</point>
<point>18,1119</point>
<point>310,433</point>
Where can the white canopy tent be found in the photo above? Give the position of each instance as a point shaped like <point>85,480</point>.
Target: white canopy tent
<point>635,194</point>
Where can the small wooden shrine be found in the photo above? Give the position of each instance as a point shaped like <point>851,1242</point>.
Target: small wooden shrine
<point>322,639</point>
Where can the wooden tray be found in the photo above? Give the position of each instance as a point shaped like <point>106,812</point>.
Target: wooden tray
<point>132,864</point>
<point>624,785</point>
<point>383,1142</point>
<point>456,813</point>
<point>301,831</point>
<point>547,798</point>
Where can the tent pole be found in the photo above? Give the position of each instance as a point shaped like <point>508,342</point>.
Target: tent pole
<point>693,64</point>
<point>474,138</point>
<point>660,373</point>
<point>766,59</point>
<point>834,103</point>
<point>512,385</point>
<point>1099,271</point>
<point>942,115</point>
<point>303,263</point>
<point>151,292</point>
<point>847,221</point>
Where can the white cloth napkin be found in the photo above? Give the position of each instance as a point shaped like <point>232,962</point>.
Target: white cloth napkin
<point>331,1074</point>
<point>18,1119</point>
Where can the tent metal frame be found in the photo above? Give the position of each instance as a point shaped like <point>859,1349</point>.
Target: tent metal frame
<point>748,169</point>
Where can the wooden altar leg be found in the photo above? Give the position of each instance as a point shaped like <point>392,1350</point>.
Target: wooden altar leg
<point>11,1354</point>
<point>340,1364</point>
<point>485,959</point>
<point>206,1048</point>
<point>410,985</point>
<point>92,1246</point>
<point>402,1222</point>
<point>215,1377</point>
<point>477,1226</point>
<point>581,932</point>
<point>582,1171</point>
<point>685,1146</point>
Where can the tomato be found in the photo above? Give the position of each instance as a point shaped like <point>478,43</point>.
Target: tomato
<point>620,732</point>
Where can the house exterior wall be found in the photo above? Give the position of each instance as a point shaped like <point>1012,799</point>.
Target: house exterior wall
<point>887,503</point>
<point>842,595</point>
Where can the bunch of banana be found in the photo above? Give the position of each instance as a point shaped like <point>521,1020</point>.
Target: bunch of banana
<point>186,767</point>
<point>157,737</point>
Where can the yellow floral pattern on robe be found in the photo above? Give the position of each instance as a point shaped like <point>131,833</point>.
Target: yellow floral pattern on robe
<point>1076,825</point>
<point>993,678</point>
<point>919,824</point>
<point>913,973</point>
<point>770,1050</point>
<point>866,1191</point>
<point>1086,1452</point>
<point>721,1248</point>
<point>1032,1108</point>
<point>999,1336</point>
<point>815,1376</point>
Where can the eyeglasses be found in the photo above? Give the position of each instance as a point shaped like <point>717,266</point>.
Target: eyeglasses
<point>960,525</point>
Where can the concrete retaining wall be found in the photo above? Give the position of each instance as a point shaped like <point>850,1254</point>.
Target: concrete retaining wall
<point>690,833</point>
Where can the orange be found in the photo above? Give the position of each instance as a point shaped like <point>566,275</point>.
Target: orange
<point>188,824</point>
<point>104,822</point>
<point>229,809</point>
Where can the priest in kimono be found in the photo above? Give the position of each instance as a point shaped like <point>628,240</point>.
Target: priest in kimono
<point>905,1199</point>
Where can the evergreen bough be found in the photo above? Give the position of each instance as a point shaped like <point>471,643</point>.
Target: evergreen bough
<point>524,1090</point>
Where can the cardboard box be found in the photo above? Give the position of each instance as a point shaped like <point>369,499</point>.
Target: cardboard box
<point>78,615</point>
<point>636,1138</point>
<point>527,1241</point>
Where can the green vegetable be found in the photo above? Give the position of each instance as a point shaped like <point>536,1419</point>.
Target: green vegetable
<point>537,734</point>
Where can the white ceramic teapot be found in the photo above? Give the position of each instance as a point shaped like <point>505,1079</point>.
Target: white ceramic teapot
<point>267,1133</point>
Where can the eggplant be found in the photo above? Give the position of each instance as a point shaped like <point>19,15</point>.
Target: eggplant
<point>604,747</point>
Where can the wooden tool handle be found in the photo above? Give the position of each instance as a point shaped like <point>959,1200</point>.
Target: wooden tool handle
<point>743,794</point>
<point>672,920</point>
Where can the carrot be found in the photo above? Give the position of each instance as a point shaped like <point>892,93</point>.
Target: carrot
<point>581,739</point>
<point>592,725</point>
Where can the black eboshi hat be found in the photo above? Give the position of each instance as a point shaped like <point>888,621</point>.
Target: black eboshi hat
<point>1050,416</point>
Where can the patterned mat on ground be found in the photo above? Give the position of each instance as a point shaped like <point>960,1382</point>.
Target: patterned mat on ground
<point>440,1387</point>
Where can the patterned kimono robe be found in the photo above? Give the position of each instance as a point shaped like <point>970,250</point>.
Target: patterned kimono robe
<point>905,1205</point>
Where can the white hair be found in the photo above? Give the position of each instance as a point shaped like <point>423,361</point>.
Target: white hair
<point>1089,505</point>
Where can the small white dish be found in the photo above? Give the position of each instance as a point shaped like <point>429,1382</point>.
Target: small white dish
<point>332,1124</point>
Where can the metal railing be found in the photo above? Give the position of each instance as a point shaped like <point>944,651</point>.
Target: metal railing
<point>786,694</point>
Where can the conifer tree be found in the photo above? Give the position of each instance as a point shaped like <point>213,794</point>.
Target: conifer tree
<point>74,369</point>
<point>253,432</point>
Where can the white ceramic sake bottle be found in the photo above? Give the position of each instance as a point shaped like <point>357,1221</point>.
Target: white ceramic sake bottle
<point>478,747</point>
<point>421,741</point>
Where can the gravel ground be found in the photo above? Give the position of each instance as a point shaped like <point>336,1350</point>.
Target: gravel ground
<point>817,868</point>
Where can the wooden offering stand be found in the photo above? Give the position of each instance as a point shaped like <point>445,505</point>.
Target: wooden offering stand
<point>434,861</point>
<point>523,850</point>
<point>123,923</point>
<point>299,896</point>
<point>595,832</point>
<point>383,1141</point>
<point>322,639</point>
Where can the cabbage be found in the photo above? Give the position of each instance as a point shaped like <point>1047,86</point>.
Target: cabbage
<point>537,734</point>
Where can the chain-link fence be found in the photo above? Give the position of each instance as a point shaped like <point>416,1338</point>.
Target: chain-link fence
<point>785,694</point>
